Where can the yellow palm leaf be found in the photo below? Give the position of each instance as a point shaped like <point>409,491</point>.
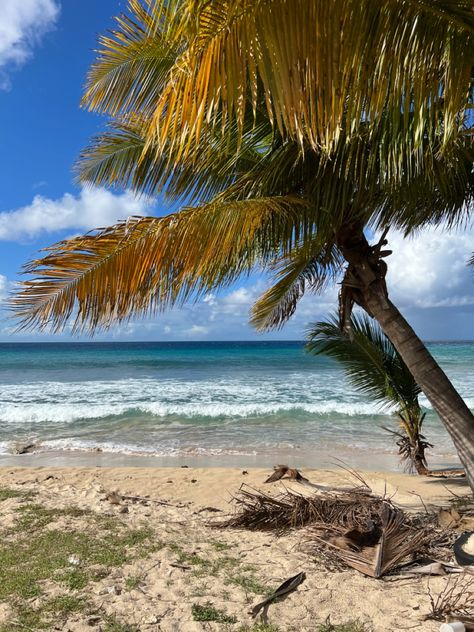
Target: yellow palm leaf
<point>322,66</point>
<point>147,264</point>
<point>310,267</point>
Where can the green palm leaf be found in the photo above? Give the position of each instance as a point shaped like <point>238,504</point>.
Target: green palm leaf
<point>371,362</point>
<point>312,267</point>
<point>133,61</point>
<point>120,157</point>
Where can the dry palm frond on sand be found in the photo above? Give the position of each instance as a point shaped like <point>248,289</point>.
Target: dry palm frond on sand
<point>354,528</point>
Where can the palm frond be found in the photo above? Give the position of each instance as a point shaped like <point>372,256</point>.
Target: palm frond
<point>119,157</point>
<point>132,62</point>
<point>148,264</point>
<point>310,267</point>
<point>322,66</point>
<point>371,362</point>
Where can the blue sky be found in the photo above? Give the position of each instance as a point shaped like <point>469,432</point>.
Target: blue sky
<point>46,47</point>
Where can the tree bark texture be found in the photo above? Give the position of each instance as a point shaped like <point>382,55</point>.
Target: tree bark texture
<point>364,285</point>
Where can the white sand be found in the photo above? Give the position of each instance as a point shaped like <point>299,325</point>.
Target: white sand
<point>163,602</point>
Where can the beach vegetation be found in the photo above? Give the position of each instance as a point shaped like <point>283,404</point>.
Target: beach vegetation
<point>6,493</point>
<point>40,549</point>
<point>132,582</point>
<point>249,584</point>
<point>351,626</point>
<point>112,624</point>
<point>220,546</point>
<point>289,163</point>
<point>204,565</point>
<point>259,627</point>
<point>374,367</point>
<point>207,612</point>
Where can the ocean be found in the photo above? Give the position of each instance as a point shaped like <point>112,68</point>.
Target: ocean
<point>210,403</point>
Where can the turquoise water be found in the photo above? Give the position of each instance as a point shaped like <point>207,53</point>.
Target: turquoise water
<point>177,400</point>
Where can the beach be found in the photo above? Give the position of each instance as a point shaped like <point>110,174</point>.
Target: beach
<point>184,564</point>
<point>116,460</point>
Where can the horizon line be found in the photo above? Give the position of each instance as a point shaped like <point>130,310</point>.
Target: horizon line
<point>88,342</point>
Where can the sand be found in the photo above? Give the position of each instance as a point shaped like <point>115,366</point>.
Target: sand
<point>166,593</point>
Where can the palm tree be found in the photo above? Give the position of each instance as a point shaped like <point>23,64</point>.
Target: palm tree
<point>375,368</point>
<point>292,144</point>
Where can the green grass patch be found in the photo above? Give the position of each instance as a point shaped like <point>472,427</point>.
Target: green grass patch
<point>112,624</point>
<point>55,609</point>
<point>220,546</point>
<point>249,584</point>
<point>132,582</point>
<point>71,554</point>
<point>203,566</point>
<point>350,626</point>
<point>207,612</point>
<point>259,627</point>
<point>6,493</point>
<point>191,559</point>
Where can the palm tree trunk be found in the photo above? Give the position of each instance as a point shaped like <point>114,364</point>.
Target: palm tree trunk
<point>366,284</point>
<point>444,398</point>
<point>420,467</point>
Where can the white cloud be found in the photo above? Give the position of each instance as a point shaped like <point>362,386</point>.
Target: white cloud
<point>22,25</point>
<point>426,272</point>
<point>430,269</point>
<point>196,331</point>
<point>4,287</point>
<point>93,208</point>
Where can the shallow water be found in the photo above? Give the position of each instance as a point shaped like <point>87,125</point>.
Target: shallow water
<point>246,401</point>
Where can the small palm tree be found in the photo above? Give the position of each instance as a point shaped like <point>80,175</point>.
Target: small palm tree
<point>375,368</point>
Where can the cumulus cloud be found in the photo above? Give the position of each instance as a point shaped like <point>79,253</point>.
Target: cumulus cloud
<point>427,275</point>
<point>430,270</point>
<point>22,25</point>
<point>92,208</point>
<point>196,331</point>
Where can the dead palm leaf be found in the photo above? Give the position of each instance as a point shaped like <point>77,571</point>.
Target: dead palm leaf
<point>397,541</point>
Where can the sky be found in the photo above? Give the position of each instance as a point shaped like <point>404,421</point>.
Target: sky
<point>46,47</point>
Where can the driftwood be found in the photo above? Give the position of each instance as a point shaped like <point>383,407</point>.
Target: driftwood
<point>290,473</point>
<point>281,471</point>
<point>449,473</point>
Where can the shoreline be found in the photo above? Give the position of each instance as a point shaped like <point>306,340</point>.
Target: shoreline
<point>366,460</point>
